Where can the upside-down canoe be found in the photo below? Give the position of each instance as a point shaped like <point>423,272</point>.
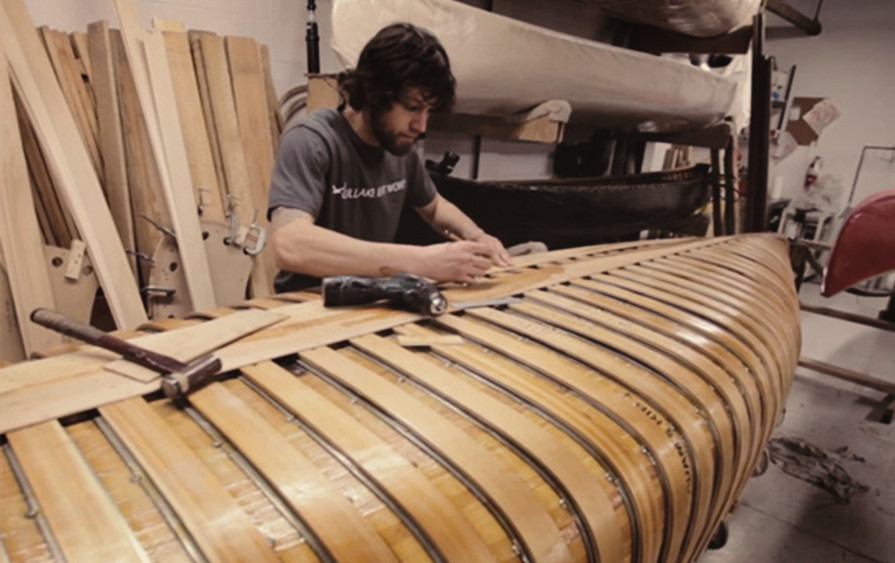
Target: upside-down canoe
<point>567,212</point>
<point>613,412</point>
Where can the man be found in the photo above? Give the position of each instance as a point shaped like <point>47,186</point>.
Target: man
<point>342,177</point>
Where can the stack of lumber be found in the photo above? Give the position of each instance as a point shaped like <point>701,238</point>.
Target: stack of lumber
<point>134,160</point>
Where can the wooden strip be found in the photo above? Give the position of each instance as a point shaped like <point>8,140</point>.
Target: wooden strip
<point>79,43</point>
<point>779,335</point>
<point>64,485</point>
<point>62,58</point>
<point>111,138</point>
<point>709,357</point>
<point>595,505</point>
<point>433,512</point>
<point>57,224</point>
<point>22,539</point>
<point>250,97</point>
<point>703,303</point>
<point>225,124</point>
<point>220,527</point>
<point>144,182</point>
<point>184,344</point>
<point>307,328</point>
<point>535,527</point>
<point>167,25</point>
<point>273,106</point>
<point>651,389</point>
<point>339,525</point>
<point>206,99</point>
<point>27,274</point>
<point>179,193</point>
<point>726,410</point>
<point>68,157</point>
<point>195,128</point>
<point>166,140</point>
<point>508,282</point>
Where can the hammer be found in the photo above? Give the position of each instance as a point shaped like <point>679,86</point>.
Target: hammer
<point>178,378</point>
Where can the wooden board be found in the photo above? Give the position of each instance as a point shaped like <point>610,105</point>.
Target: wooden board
<point>195,128</point>
<point>146,199</point>
<point>250,97</point>
<point>110,133</point>
<point>153,86</point>
<point>69,159</point>
<point>26,270</point>
<point>62,57</point>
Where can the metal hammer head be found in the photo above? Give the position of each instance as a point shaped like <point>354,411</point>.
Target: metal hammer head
<point>177,384</point>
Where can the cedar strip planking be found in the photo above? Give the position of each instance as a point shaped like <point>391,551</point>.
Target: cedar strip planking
<point>142,173</point>
<point>67,156</point>
<point>331,516</point>
<point>26,270</point>
<point>64,486</point>
<point>536,528</point>
<point>404,481</point>
<point>111,134</point>
<point>195,128</point>
<point>595,505</point>
<point>218,524</point>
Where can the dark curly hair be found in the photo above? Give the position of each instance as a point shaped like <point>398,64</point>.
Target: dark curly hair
<point>399,56</point>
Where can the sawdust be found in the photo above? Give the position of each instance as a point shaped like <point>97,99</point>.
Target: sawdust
<point>819,467</point>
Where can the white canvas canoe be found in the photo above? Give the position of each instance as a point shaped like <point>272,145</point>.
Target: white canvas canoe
<point>697,18</point>
<point>504,66</point>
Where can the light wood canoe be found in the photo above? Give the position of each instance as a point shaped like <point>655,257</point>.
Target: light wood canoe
<point>613,412</point>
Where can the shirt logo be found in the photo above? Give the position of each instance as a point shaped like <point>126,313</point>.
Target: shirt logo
<point>345,192</point>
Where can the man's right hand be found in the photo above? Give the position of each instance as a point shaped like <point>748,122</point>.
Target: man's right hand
<point>461,261</point>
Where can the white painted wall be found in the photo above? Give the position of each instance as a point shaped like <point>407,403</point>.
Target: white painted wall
<point>851,62</point>
<point>279,24</point>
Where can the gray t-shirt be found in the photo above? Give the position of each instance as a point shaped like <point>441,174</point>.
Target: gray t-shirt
<point>325,169</point>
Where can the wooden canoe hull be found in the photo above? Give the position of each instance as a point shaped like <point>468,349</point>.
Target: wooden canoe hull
<point>613,412</point>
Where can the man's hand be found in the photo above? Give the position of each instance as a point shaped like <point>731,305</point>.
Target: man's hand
<point>498,253</point>
<point>461,261</point>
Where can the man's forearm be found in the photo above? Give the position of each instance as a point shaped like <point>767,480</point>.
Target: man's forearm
<point>303,247</point>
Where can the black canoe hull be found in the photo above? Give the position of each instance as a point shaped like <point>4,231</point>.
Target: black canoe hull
<point>571,212</point>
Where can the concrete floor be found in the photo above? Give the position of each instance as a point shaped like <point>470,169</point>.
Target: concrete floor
<point>781,518</point>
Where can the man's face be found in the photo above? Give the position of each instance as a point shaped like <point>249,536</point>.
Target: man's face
<point>398,128</point>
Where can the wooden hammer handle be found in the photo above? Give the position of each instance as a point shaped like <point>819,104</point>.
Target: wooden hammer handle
<point>67,326</point>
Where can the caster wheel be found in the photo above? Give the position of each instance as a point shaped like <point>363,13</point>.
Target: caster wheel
<point>719,539</point>
<point>762,464</point>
